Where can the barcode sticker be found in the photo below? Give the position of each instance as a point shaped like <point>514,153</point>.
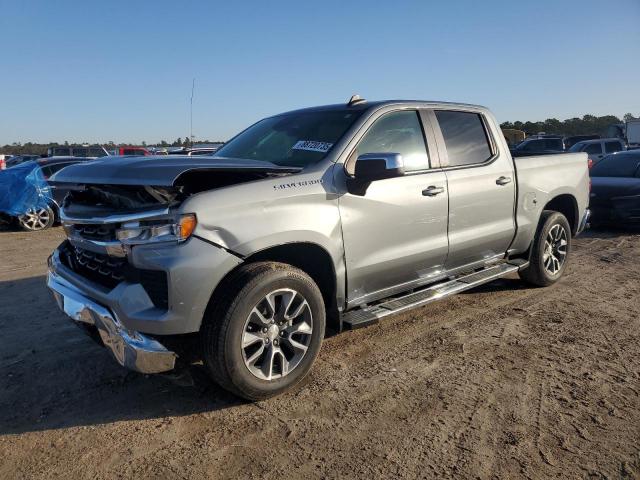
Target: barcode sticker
<point>312,146</point>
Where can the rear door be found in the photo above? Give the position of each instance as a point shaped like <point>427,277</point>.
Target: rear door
<point>395,233</point>
<point>481,183</point>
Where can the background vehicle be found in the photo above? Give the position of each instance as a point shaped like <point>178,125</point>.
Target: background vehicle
<point>337,215</point>
<point>3,161</point>
<point>632,133</point>
<point>196,150</point>
<point>83,151</point>
<point>596,149</point>
<point>136,151</point>
<point>44,217</point>
<point>18,159</point>
<point>615,193</point>
<point>513,136</point>
<point>573,139</point>
<point>532,146</point>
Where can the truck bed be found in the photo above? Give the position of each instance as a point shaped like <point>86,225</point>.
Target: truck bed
<point>541,178</point>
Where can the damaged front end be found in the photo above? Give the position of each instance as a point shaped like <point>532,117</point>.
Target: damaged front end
<point>132,256</point>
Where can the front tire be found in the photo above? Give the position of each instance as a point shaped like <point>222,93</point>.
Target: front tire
<point>264,330</point>
<point>550,250</point>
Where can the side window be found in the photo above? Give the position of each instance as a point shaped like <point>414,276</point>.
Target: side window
<point>46,172</point>
<point>611,147</point>
<point>61,151</point>
<point>594,148</point>
<point>465,137</point>
<point>533,146</point>
<point>397,132</point>
<point>79,152</point>
<point>553,144</point>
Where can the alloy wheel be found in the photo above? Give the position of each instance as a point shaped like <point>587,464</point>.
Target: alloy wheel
<point>555,249</point>
<point>35,219</point>
<point>277,334</point>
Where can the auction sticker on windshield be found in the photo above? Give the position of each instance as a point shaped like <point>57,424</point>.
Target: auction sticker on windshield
<point>312,146</point>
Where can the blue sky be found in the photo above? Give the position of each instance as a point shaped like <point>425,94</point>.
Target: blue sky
<point>121,70</point>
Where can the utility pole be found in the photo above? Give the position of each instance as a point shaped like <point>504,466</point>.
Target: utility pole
<point>193,87</point>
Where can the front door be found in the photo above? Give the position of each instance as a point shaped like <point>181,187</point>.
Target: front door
<point>395,233</point>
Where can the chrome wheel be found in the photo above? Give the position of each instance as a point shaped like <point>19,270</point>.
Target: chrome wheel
<point>36,219</point>
<point>555,249</point>
<point>277,334</point>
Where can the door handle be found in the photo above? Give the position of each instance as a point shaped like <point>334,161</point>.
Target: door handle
<point>503,180</point>
<point>432,191</point>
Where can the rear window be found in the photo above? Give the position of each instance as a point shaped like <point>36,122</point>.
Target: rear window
<point>617,166</point>
<point>464,136</point>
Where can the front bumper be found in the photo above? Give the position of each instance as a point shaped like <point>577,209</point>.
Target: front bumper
<point>131,349</point>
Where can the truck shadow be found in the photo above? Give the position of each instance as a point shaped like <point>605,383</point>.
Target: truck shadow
<point>53,376</point>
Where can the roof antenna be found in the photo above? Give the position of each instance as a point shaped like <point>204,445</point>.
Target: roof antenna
<point>355,100</point>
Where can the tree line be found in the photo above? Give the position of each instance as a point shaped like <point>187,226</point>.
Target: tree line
<point>31,148</point>
<point>587,125</point>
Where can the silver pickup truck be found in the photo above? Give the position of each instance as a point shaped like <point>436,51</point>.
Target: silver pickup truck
<point>318,219</point>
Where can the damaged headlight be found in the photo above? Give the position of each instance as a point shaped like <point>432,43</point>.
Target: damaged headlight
<point>132,233</point>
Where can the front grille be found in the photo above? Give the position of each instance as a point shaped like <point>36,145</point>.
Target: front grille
<point>103,233</point>
<point>101,269</point>
<point>108,272</point>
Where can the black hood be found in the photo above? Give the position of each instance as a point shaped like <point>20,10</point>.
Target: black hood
<point>161,170</point>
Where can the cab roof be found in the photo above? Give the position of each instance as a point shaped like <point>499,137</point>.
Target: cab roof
<point>366,105</point>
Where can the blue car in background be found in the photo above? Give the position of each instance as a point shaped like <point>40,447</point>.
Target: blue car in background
<point>26,196</point>
<point>615,189</point>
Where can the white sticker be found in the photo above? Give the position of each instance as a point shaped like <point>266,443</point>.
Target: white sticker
<point>312,146</point>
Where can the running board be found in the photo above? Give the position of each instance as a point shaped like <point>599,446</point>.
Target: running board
<point>366,316</point>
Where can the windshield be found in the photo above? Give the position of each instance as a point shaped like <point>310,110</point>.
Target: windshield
<point>296,139</point>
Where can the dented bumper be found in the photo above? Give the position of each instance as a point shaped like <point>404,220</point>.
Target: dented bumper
<point>190,270</point>
<point>131,349</point>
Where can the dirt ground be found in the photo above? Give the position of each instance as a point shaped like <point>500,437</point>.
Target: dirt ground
<point>504,381</point>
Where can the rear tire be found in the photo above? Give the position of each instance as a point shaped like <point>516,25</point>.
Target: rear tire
<point>264,330</point>
<point>37,219</point>
<point>549,251</point>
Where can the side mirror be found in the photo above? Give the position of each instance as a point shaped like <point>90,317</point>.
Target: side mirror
<point>378,166</point>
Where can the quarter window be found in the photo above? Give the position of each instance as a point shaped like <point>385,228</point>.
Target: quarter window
<point>594,148</point>
<point>611,147</point>
<point>465,137</point>
<point>397,132</point>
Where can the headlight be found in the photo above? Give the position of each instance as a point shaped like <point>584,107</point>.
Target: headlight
<point>133,233</point>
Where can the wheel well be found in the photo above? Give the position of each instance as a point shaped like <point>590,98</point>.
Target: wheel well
<point>565,204</point>
<point>316,262</point>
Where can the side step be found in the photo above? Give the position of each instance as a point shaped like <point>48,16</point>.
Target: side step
<point>366,316</point>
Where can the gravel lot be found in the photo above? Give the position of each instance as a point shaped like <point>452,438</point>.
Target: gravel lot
<point>503,381</point>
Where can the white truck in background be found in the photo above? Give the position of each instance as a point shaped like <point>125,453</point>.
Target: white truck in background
<point>633,133</point>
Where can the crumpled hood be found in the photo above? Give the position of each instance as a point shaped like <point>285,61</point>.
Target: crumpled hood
<point>161,170</point>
